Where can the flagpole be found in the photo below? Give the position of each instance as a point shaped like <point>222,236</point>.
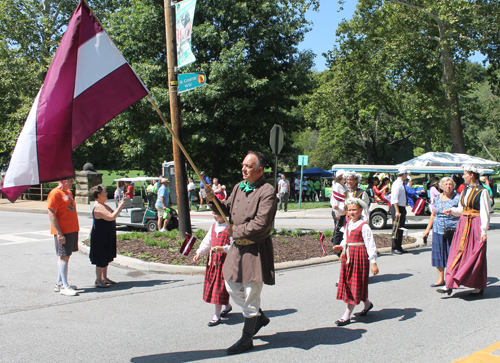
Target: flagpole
<point>174,136</point>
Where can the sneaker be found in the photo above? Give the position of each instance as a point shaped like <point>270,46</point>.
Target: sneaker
<point>58,288</point>
<point>208,207</point>
<point>163,230</point>
<point>100,284</point>
<point>197,208</point>
<point>68,291</point>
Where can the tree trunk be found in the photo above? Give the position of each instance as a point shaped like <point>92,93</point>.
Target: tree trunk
<point>449,85</point>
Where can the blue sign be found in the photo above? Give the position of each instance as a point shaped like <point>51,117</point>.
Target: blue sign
<point>190,81</point>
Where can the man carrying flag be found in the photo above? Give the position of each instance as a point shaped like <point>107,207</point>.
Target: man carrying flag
<point>88,83</point>
<point>250,262</point>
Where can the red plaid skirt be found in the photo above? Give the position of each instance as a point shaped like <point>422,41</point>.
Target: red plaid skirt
<point>353,282</point>
<point>214,288</point>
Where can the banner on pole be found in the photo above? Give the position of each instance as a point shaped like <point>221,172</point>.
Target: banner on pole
<point>184,17</point>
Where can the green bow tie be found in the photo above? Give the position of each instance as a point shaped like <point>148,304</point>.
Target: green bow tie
<point>247,187</point>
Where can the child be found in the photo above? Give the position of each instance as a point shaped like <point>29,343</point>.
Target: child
<point>218,242</point>
<point>359,250</point>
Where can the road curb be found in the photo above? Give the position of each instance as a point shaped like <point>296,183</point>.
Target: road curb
<point>148,266</point>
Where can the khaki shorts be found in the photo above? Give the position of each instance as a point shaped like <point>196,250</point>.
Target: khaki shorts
<point>203,194</point>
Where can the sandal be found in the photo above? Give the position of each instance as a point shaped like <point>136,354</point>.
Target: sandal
<point>108,281</point>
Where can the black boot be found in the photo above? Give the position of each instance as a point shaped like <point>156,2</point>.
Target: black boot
<point>262,320</point>
<point>246,342</point>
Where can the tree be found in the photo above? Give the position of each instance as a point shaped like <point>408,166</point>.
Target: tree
<point>457,27</point>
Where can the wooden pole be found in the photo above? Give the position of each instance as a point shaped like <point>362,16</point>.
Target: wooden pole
<point>175,117</point>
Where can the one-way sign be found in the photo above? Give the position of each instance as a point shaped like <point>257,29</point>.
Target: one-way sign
<point>276,139</point>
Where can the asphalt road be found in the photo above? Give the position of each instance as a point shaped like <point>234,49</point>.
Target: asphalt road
<point>154,317</point>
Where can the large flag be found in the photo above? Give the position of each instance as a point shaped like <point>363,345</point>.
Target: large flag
<point>88,83</point>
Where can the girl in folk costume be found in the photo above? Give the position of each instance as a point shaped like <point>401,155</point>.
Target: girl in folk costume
<point>217,243</point>
<point>467,258</point>
<point>359,253</point>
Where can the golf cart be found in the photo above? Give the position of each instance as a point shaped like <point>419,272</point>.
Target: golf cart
<point>136,212</point>
<point>380,212</point>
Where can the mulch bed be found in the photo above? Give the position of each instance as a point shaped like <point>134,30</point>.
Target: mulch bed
<point>286,248</point>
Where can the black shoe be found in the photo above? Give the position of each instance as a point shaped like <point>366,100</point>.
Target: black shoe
<point>365,311</point>
<point>480,292</point>
<point>246,342</point>
<point>403,251</point>
<point>262,321</point>
<point>214,322</point>
<point>342,322</point>
<point>224,313</point>
<point>445,291</point>
<point>397,252</point>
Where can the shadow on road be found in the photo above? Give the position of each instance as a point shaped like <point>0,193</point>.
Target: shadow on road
<point>237,318</point>
<point>306,340</point>
<point>387,314</point>
<point>125,285</point>
<point>388,277</point>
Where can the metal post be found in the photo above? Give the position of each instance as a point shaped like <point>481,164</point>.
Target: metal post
<point>175,119</point>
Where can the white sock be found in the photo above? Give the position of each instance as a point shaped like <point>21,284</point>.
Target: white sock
<point>218,309</point>
<point>63,272</point>
<point>367,304</point>
<point>348,312</point>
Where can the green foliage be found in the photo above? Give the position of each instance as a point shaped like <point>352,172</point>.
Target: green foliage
<point>327,233</point>
<point>200,234</point>
<point>132,236</point>
<point>144,256</point>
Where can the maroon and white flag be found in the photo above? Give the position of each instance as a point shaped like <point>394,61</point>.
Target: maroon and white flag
<point>88,83</point>
<point>321,239</point>
<point>187,244</point>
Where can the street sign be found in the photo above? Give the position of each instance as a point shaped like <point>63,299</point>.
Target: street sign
<point>276,139</point>
<point>190,81</point>
<point>303,160</point>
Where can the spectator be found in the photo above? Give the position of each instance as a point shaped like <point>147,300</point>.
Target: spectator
<point>130,190</point>
<point>486,184</point>
<point>103,235</point>
<point>317,188</point>
<point>119,192</point>
<point>296,189</point>
<point>203,194</point>
<point>378,194</point>
<point>217,188</point>
<point>283,192</point>
<point>191,188</point>
<point>162,202</point>
<point>151,192</point>
<point>64,226</point>
<point>434,191</point>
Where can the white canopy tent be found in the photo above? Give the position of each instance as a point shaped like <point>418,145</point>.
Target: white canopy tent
<point>450,159</point>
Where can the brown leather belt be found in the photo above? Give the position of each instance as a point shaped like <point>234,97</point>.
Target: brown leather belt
<point>471,214</point>
<point>243,242</point>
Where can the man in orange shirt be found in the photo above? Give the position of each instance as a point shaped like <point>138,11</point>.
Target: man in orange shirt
<point>64,226</point>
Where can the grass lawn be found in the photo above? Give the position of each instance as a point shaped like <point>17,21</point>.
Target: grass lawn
<point>108,177</point>
<point>309,205</point>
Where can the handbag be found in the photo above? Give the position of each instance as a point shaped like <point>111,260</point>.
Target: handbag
<point>449,232</point>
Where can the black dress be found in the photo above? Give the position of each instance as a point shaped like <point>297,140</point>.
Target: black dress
<point>102,241</point>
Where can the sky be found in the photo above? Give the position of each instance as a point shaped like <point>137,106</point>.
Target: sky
<point>322,36</point>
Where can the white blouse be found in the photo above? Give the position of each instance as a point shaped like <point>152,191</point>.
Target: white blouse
<point>371,248</point>
<point>485,208</point>
<point>206,243</point>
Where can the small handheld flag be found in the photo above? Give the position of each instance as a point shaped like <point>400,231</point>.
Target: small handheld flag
<point>321,239</point>
<point>187,245</point>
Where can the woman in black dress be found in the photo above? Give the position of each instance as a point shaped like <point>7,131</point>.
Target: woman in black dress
<point>103,235</point>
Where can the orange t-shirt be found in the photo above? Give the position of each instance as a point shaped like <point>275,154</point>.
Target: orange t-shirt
<point>65,206</point>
